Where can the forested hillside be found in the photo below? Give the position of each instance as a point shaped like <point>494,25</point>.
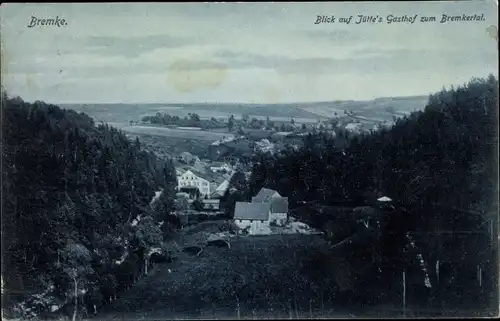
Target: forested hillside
<point>71,191</point>
<point>440,166</point>
<point>445,155</point>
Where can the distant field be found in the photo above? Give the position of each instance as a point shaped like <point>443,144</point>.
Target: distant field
<point>123,113</point>
<point>301,112</point>
<point>173,146</point>
<point>379,109</point>
<point>176,133</point>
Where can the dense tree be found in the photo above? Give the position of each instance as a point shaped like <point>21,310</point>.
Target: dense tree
<point>439,166</point>
<point>191,120</point>
<point>237,191</point>
<point>231,123</point>
<point>71,192</point>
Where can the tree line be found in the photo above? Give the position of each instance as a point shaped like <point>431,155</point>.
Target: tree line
<point>77,223</point>
<point>440,168</point>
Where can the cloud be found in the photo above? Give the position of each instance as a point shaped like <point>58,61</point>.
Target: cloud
<point>132,47</point>
<point>373,61</point>
<point>333,36</point>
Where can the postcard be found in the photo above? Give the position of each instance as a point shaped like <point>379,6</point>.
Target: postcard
<point>165,161</point>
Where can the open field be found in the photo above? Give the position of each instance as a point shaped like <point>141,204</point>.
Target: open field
<point>173,146</point>
<point>134,112</point>
<point>176,133</point>
<point>381,108</point>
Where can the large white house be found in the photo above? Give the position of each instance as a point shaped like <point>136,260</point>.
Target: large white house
<point>189,179</point>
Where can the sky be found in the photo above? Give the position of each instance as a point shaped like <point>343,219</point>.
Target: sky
<point>241,52</point>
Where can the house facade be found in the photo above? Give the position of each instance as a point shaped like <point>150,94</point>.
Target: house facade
<point>278,205</point>
<point>279,211</point>
<point>189,179</point>
<point>253,217</point>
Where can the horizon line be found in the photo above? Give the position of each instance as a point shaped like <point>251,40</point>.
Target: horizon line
<point>240,103</point>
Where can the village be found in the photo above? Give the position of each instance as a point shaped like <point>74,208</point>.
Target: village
<point>204,168</point>
<point>203,184</point>
<point>203,189</point>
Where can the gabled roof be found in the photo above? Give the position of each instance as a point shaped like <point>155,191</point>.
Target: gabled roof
<point>223,186</point>
<point>193,173</point>
<point>279,205</point>
<point>251,211</point>
<point>264,195</point>
<point>188,172</point>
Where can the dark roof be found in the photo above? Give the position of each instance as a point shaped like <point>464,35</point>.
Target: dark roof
<point>279,205</point>
<point>251,211</point>
<point>264,195</point>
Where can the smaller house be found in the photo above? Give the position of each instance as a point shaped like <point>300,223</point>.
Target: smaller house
<point>353,127</point>
<point>385,202</point>
<point>278,205</point>
<point>187,158</point>
<point>253,217</point>
<point>279,211</point>
<point>384,199</point>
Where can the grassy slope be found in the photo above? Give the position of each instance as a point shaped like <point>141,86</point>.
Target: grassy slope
<point>267,273</point>
<point>289,276</point>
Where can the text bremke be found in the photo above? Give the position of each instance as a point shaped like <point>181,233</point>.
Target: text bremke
<point>58,22</point>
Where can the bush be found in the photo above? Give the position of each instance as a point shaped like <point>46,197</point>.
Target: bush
<point>198,205</point>
<point>228,227</point>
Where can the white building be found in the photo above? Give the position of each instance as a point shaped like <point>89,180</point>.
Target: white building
<point>354,127</point>
<point>189,179</point>
<point>253,217</point>
<point>220,168</point>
